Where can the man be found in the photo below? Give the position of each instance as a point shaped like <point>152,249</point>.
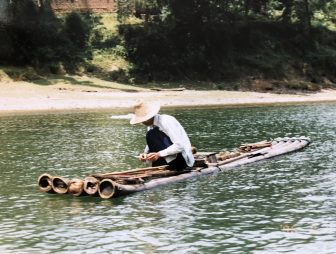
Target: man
<point>167,141</point>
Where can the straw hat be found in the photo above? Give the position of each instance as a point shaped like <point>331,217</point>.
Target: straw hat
<point>144,111</point>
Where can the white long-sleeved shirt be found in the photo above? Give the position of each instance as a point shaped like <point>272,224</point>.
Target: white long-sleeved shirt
<point>181,143</point>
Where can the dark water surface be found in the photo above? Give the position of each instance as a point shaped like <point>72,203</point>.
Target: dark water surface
<point>285,204</point>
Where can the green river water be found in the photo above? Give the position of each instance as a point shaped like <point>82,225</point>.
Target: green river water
<point>282,205</point>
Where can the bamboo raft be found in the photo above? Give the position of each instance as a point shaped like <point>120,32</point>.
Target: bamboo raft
<point>114,184</point>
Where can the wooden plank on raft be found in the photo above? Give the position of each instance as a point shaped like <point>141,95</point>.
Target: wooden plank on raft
<point>145,175</point>
<point>130,172</point>
<point>258,152</point>
<point>249,147</point>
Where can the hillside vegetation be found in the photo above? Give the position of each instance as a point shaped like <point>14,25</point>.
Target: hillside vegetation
<point>262,44</point>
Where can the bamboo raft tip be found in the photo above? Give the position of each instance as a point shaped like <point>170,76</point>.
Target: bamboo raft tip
<point>44,182</point>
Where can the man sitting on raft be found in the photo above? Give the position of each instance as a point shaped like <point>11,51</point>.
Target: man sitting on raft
<point>167,141</point>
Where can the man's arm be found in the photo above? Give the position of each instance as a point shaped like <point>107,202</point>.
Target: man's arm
<point>177,135</point>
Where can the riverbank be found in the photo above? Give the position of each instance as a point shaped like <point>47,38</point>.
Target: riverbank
<point>25,97</point>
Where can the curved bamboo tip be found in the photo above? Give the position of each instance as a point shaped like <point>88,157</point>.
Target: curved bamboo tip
<point>60,184</point>
<point>91,185</point>
<point>44,182</point>
<point>76,187</point>
<point>106,188</point>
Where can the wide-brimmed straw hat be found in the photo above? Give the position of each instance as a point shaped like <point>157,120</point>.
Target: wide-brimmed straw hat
<point>144,111</point>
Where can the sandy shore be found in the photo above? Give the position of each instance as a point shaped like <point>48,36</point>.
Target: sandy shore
<point>16,97</point>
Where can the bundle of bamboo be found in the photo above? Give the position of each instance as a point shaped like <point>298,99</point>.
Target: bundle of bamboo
<point>103,184</point>
<point>114,184</point>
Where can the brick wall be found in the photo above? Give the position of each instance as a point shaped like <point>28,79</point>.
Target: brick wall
<point>83,5</point>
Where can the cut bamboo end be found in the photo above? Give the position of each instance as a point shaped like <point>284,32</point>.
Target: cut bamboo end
<point>60,184</point>
<point>91,185</point>
<point>106,188</point>
<point>76,187</point>
<point>44,182</point>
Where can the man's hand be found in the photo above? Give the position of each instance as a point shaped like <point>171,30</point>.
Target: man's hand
<point>143,157</point>
<point>153,156</point>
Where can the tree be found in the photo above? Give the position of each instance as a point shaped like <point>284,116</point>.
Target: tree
<point>77,30</point>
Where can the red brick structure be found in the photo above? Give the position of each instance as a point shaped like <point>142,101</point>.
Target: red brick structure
<point>84,5</point>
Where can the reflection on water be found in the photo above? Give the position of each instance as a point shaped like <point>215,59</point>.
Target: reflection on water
<point>286,204</point>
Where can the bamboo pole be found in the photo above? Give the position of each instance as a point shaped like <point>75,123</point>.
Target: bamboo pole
<point>44,183</point>
<point>132,171</point>
<point>60,184</point>
<point>251,146</point>
<point>76,187</point>
<point>146,174</point>
<point>91,185</point>
<point>107,188</point>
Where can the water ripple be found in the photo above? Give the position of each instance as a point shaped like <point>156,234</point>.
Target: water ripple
<point>286,204</point>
